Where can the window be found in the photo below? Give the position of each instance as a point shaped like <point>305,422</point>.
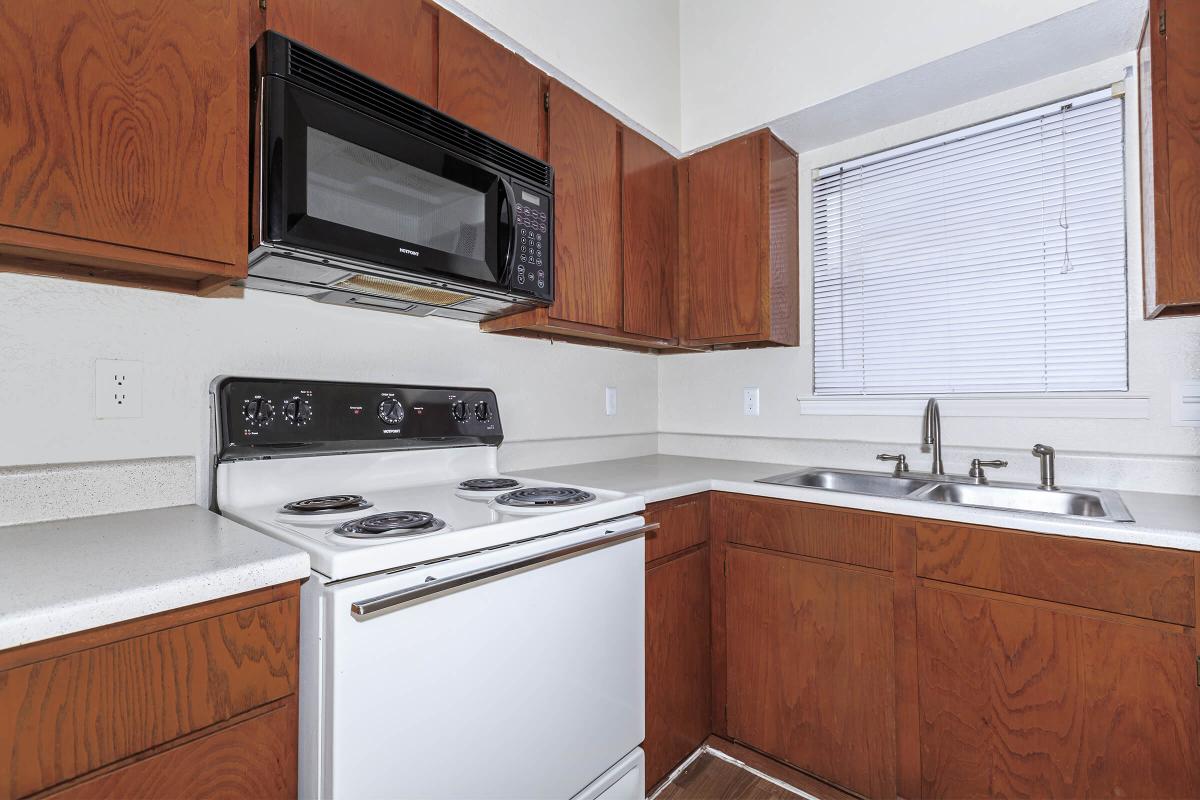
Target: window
<point>991,259</point>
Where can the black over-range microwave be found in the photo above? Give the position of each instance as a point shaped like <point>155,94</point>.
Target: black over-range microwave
<point>368,198</point>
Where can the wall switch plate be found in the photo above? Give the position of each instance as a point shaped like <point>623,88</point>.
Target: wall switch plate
<point>610,400</point>
<point>1185,403</point>
<point>750,401</point>
<point>118,388</point>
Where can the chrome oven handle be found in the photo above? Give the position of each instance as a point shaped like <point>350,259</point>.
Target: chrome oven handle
<point>373,605</point>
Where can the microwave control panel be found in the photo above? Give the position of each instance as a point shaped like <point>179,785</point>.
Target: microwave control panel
<point>532,270</point>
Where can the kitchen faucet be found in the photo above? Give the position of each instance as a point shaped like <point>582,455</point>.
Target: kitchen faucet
<point>933,434</point>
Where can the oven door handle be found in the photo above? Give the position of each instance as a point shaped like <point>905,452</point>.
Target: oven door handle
<point>385,601</point>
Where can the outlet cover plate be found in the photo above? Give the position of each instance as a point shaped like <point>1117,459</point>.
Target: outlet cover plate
<point>610,400</point>
<point>118,388</point>
<point>750,405</point>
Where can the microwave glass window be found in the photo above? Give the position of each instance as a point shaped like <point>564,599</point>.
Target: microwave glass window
<point>354,186</point>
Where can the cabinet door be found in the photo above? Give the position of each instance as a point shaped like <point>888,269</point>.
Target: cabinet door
<point>724,276</point>
<point>489,87</point>
<point>392,41</point>
<point>123,124</point>
<point>810,655</point>
<point>677,662</point>
<point>650,231</point>
<point>583,149</point>
<point>1021,698</point>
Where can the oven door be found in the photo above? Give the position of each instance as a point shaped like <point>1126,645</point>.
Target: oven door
<point>337,181</point>
<point>513,673</point>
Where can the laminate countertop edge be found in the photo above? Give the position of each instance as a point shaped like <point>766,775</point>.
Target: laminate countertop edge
<point>72,575</point>
<point>1160,520</point>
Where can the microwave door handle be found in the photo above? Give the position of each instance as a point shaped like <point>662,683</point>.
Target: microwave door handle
<point>511,200</point>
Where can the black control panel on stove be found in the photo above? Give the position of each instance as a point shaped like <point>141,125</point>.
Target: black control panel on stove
<point>272,418</point>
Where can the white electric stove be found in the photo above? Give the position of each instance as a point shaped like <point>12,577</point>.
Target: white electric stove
<point>464,634</point>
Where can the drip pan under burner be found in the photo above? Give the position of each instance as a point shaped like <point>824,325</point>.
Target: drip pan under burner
<point>545,496</point>
<point>489,484</point>
<point>392,523</point>
<point>329,504</point>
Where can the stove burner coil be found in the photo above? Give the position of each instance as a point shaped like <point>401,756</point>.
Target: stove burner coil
<point>489,484</point>
<point>330,504</point>
<point>392,523</point>
<point>544,496</point>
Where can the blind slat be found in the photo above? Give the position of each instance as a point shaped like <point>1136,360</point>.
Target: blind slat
<point>989,262</point>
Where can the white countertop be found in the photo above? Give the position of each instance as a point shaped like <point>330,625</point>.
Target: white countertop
<point>1162,520</point>
<point>72,575</point>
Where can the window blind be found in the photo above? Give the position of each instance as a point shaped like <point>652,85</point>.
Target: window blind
<point>991,259</point>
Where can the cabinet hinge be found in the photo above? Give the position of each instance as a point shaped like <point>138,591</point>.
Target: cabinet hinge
<point>545,101</point>
<point>262,4</point>
<point>1162,22</point>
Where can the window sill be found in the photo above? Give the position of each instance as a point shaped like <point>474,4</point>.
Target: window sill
<point>994,406</point>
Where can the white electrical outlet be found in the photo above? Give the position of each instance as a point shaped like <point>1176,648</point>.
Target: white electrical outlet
<point>750,401</point>
<point>118,388</point>
<point>610,400</point>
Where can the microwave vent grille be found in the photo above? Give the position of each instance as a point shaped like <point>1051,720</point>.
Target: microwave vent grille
<point>384,287</point>
<point>330,75</point>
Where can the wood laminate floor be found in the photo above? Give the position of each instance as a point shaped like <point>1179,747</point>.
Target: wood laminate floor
<point>712,778</point>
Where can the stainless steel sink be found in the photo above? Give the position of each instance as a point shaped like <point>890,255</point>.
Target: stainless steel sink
<point>882,484</point>
<point>1091,504</point>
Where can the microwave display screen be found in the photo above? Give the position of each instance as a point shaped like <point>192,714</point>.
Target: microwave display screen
<point>352,185</point>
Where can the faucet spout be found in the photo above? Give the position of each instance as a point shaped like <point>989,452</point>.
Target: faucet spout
<point>933,434</point>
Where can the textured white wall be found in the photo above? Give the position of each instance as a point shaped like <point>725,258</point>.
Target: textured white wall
<point>748,63</point>
<point>700,395</point>
<point>52,331</point>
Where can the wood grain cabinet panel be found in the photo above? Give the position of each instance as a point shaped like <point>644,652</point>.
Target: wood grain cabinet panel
<point>1170,121</point>
<point>393,41</point>
<point>650,235</point>
<point>123,141</point>
<point>678,678</point>
<point>819,531</point>
<point>1139,581</point>
<point>740,280</point>
<point>66,716</point>
<point>489,87</point>
<point>683,523</point>
<point>1019,699</point>
<point>811,659</point>
<point>255,758</point>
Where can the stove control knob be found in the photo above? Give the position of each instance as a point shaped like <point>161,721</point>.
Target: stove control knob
<point>258,411</point>
<point>298,411</point>
<point>483,411</point>
<point>458,410</point>
<point>391,412</point>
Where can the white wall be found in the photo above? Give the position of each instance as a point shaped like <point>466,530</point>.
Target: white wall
<point>625,52</point>
<point>754,61</point>
<point>700,395</point>
<point>52,331</point>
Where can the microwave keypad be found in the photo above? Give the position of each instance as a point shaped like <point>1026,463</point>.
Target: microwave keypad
<point>532,248</point>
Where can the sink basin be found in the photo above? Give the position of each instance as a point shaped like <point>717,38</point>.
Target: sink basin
<point>1093,504</point>
<point>852,481</point>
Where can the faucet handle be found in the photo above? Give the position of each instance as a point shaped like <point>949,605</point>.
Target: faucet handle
<point>901,462</point>
<point>977,468</point>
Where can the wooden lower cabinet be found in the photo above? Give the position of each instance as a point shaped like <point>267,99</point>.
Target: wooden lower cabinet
<point>1026,699</point>
<point>199,701</point>
<point>810,666</point>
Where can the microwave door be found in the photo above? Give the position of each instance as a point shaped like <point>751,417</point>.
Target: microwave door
<point>342,182</point>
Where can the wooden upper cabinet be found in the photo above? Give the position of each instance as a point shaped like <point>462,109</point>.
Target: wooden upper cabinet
<point>123,141</point>
<point>392,41</point>
<point>1030,699</point>
<point>489,87</point>
<point>1169,100</point>
<point>582,147</point>
<point>739,279</point>
<point>650,235</point>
